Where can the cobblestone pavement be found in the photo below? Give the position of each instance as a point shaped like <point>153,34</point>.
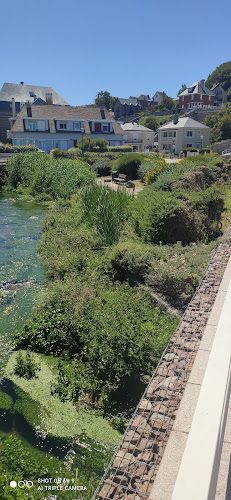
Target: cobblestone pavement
<point>133,469</point>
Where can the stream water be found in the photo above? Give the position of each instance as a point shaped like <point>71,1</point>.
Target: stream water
<point>21,271</point>
<point>25,449</point>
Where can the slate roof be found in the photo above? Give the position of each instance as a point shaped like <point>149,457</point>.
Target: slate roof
<point>21,93</point>
<point>196,88</point>
<point>135,127</point>
<point>52,113</point>
<point>184,122</point>
<point>128,101</point>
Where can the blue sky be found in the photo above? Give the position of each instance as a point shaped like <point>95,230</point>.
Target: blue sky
<point>127,47</point>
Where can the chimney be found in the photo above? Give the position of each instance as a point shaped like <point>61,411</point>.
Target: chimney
<point>49,98</point>
<point>21,83</point>
<point>13,108</point>
<point>202,82</point>
<point>175,120</point>
<point>29,109</point>
<point>102,112</point>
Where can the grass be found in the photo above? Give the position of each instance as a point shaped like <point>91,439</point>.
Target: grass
<point>57,418</point>
<point>226,216</point>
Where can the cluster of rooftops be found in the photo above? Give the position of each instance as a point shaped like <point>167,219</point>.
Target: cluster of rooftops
<point>40,115</point>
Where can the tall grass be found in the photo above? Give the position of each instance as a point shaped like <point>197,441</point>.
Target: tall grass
<point>106,209</point>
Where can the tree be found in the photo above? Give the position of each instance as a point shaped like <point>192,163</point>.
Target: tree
<point>222,75</point>
<point>183,87</point>
<point>166,102</point>
<point>104,98</point>
<point>150,122</point>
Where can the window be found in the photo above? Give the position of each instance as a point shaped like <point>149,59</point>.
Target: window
<point>105,127</point>
<point>188,145</point>
<point>31,126</point>
<point>77,125</point>
<point>189,133</point>
<point>192,97</point>
<point>198,146</point>
<point>174,134</point>
<point>165,134</point>
<point>182,97</point>
<point>199,132</point>
<point>62,125</point>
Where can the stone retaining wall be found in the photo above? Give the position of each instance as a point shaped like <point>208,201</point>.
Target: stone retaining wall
<point>132,471</point>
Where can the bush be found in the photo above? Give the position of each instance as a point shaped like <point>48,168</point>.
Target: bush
<point>70,153</point>
<point>9,148</point>
<point>202,151</point>
<point>25,366</point>
<point>94,145</point>
<point>120,149</point>
<point>150,169</point>
<point>106,209</point>
<point>128,164</point>
<point>102,167</point>
<point>46,177</point>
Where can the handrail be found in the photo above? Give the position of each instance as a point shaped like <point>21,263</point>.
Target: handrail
<point>198,473</point>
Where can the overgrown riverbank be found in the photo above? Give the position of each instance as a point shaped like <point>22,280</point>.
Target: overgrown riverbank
<point>120,272</point>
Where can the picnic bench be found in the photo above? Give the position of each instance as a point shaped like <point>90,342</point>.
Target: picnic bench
<point>121,178</point>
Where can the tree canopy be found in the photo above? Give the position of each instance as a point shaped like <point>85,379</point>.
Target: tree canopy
<point>183,87</point>
<point>222,75</point>
<point>104,98</point>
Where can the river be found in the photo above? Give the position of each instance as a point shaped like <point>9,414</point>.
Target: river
<point>42,439</point>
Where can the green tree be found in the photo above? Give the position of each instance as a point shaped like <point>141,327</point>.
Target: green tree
<point>150,122</point>
<point>104,98</point>
<point>166,102</point>
<point>221,74</point>
<point>183,87</point>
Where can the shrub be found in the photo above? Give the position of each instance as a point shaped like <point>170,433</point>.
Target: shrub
<point>70,153</point>
<point>106,209</point>
<point>120,149</point>
<point>94,145</point>
<point>202,151</point>
<point>44,176</point>
<point>128,164</point>
<point>25,366</point>
<point>9,148</point>
<point>150,169</point>
<point>102,167</point>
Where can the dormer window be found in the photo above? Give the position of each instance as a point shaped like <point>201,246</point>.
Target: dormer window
<point>31,126</point>
<point>62,125</point>
<point>77,126</point>
<point>105,127</point>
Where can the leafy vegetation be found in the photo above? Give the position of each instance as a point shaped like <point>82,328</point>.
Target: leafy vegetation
<point>221,74</point>
<point>9,148</point>
<point>220,124</point>
<point>25,366</point>
<point>47,178</point>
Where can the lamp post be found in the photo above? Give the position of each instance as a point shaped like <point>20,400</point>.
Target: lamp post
<point>82,132</point>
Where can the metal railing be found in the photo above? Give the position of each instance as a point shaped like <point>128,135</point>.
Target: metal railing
<point>226,151</point>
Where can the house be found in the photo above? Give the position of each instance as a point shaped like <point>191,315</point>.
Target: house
<point>182,133</point>
<point>138,137</point>
<point>50,126</point>
<point>126,107</point>
<point>197,95</point>
<point>157,98</point>
<point>14,95</point>
<point>220,94</point>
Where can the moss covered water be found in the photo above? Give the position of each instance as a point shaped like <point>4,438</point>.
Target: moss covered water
<point>61,449</point>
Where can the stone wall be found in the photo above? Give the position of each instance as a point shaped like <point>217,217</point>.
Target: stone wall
<point>133,469</point>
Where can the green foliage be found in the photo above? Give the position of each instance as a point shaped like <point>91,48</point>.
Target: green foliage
<point>120,149</point>
<point>106,209</point>
<point>153,214</point>
<point>25,365</point>
<point>94,145</point>
<point>6,401</point>
<point>149,121</point>
<point>46,177</point>
<point>150,168</point>
<point>70,153</point>
<point>9,148</point>
<point>71,380</point>
<point>18,459</point>
<point>128,164</point>
<point>166,102</point>
<point>183,87</point>
<point>174,271</point>
<point>220,124</point>
<point>104,98</point>
<point>221,74</point>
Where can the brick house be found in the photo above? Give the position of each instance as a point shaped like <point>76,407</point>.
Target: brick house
<point>197,95</point>
<point>50,126</point>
